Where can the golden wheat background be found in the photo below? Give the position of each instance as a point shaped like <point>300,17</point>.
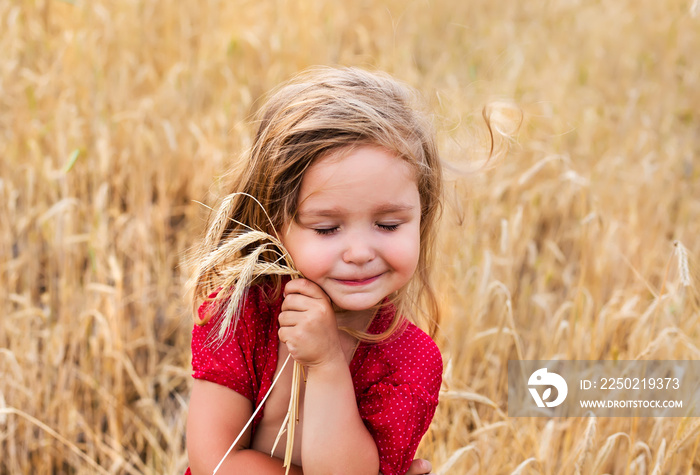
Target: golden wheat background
<point>115,115</point>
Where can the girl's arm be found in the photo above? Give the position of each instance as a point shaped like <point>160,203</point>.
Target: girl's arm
<point>217,415</point>
<point>334,435</point>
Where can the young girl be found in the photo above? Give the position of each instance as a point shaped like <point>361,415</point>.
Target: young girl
<point>348,172</point>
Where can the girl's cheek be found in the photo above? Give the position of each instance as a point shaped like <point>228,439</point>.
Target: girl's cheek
<point>408,251</point>
<point>315,257</point>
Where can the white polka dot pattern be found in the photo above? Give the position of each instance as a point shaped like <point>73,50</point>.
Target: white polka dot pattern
<point>396,382</point>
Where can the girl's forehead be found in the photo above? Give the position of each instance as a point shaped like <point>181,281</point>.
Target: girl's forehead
<point>352,164</point>
<point>366,175</point>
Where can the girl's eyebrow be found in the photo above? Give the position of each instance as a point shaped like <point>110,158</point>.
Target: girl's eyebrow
<point>385,208</point>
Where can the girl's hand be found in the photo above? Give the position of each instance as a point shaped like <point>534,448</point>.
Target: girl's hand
<point>420,467</point>
<point>307,324</point>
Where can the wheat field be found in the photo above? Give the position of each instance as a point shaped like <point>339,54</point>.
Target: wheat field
<point>119,118</point>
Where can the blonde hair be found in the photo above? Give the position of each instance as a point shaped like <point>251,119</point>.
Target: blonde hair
<point>318,112</point>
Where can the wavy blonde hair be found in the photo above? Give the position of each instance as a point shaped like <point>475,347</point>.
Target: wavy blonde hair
<point>316,113</point>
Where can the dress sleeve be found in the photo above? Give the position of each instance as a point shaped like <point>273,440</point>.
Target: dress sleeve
<point>398,409</point>
<point>229,361</point>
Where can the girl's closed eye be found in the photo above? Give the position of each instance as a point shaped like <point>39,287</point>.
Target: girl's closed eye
<point>326,231</point>
<point>388,227</point>
<point>335,229</point>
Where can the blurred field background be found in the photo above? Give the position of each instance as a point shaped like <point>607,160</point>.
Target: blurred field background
<point>582,243</point>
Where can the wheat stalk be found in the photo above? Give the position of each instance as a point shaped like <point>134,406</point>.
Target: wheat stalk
<point>11,410</point>
<point>519,469</point>
<point>606,450</point>
<point>255,413</point>
<point>456,456</point>
<point>660,459</point>
<point>586,445</point>
<point>684,269</point>
<point>690,432</point>
<point>239,271</point>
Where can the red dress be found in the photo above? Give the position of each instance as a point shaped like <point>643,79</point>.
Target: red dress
<point>396,382</point>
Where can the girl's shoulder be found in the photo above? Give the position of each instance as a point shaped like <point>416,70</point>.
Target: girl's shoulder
<point>408,356</point>
<point>408,339</point>
<point>414,347</point>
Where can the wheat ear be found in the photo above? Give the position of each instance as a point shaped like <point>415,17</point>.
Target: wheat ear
<point>239,275</point>
<point>239,270</point>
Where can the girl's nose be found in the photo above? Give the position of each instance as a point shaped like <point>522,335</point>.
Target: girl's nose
<point>358,251</point>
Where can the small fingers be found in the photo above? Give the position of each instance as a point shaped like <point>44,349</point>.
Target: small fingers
<point>286,336</point>
<point>304,287</point>
<point>287,319</point>
<point>295,303</point>
<point>420,467</point>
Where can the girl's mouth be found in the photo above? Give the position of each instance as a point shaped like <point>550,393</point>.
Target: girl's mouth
<point>358,282</point>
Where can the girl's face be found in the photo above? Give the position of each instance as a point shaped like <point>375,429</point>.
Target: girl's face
<point>357,228</point>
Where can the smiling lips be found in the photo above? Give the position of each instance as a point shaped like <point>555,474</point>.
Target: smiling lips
<point>358,282</point>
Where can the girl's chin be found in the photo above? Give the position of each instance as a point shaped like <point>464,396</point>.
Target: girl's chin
<point>352,305</point>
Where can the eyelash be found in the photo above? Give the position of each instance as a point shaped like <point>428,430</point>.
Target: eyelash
<point>325,231</point>
<point>329,231</point>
